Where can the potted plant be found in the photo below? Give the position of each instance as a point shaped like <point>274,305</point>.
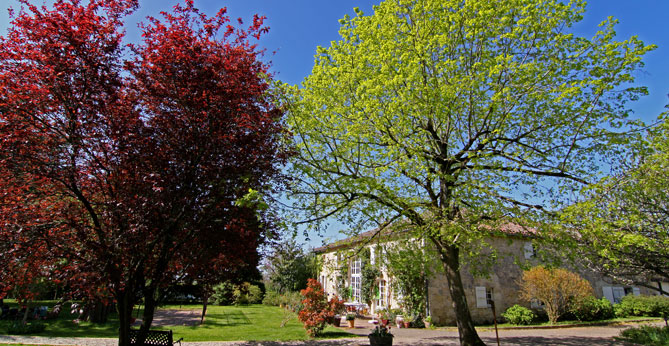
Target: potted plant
<point>350,318</point>
<point>399,321</point>
<point>380,336</point>
<point>383,316</point>
<point>336,321</point>
<point>427,321</point>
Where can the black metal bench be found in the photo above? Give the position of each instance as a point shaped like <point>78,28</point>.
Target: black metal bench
<point>154,338</point>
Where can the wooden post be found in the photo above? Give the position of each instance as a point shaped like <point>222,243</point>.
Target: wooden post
<point>494,316</point>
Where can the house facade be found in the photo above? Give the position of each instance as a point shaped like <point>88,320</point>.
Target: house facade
<point>342,262</point>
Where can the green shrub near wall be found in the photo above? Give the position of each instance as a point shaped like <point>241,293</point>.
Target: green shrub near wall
<point>592,309</point>
<point>519,315</point>
<point>652,306</point>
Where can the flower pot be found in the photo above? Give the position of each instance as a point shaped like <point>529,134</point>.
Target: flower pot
<point>384,322</point>
<point>406,324</point>
<point>351,323</point>
<point>375,340</point>
<point>337,321</point>
<point>427,324</point>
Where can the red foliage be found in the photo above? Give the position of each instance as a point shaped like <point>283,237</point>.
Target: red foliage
<point>317,310</point>
<point>121,169</point>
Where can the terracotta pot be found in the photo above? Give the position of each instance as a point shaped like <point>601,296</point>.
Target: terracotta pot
<point>427,324</point>
<point>351,323</point>
<point>384,322</point>
<point>406,324</point>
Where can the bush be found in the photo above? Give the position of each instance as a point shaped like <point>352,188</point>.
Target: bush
<point>647,335</point>
<point>29,328</point>
<point>255,295</point>
<point>653,306</point>
<point>592,309</point>
<point>556,288</point>
<point>223,293</point>
<point>316,312</point>
<point>239,295</point>
<point>272,298</point>
<point>292,300</point>
<point>519,315</point>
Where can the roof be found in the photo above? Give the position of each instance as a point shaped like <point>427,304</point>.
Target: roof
<point>508,229</point>
<point>369,236</point>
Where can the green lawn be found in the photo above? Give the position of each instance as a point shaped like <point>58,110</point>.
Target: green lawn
<point>222,323</point>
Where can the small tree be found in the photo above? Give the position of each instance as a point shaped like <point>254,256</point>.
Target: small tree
<point>316,311</point>
<point>287,267</point>
<point>556,288</point>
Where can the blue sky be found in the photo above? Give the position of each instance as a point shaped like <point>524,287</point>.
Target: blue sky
<point>298,26</point>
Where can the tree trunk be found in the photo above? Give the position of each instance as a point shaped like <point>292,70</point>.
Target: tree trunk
<point>25,315</point>
<point>205,300</point>
<point>451,260</point>
<point>98,311</point>
<point>147,315</point>
<point>124,308</point>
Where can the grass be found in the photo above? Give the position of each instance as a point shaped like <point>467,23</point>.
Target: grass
<point>222,323</point>
<point>647,335</point>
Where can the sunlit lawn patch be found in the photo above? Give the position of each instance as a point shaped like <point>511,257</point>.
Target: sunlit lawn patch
<point>222,323</point>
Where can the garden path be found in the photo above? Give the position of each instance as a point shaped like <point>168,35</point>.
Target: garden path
<point>576,336</point>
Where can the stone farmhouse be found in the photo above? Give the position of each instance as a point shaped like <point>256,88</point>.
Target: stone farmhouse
<point>515,249</point>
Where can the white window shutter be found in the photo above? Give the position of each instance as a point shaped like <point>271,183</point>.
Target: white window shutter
<point>608,293</point>
<point>636,291</point>
<point>481,300</point>
<point>528,250</point>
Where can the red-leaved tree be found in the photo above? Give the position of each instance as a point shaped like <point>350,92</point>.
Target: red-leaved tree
<point>124,168</point>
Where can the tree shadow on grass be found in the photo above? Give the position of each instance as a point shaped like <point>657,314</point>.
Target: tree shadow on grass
<point>336,334</point>
<point>226,319</point>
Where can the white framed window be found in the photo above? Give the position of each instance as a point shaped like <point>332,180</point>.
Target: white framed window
<point>355,267</point>
<point>356,279</point>
<point>483,296</point>
<point>381,302</point>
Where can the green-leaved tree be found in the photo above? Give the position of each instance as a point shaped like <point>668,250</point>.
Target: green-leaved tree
<point>450,113</point>
<point>622,227</point>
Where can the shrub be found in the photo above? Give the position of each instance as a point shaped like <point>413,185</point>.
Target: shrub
<point>592,309</point>
<point>336,306</point>
<point>654,306</point>
<point>519,315</point>
<point>240,296</point>
<point>292,300</point>
<point>255,295</point>
<point>556,288</point>
<point>223,293</point>
<point>272,298</point>
<point>29,328</point>
<point>316,312</point>
<point>647,335</point>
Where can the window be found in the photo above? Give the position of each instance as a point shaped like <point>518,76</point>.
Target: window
<point>381,301</point>
<point>356,279</point>
<point>355,267</point>
<point>528,250</point>
<point>613,294</point>
<point>483,297</point>
<point>536,304</point>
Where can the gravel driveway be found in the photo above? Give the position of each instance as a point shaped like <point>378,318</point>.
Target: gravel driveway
<point>574,336</point>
